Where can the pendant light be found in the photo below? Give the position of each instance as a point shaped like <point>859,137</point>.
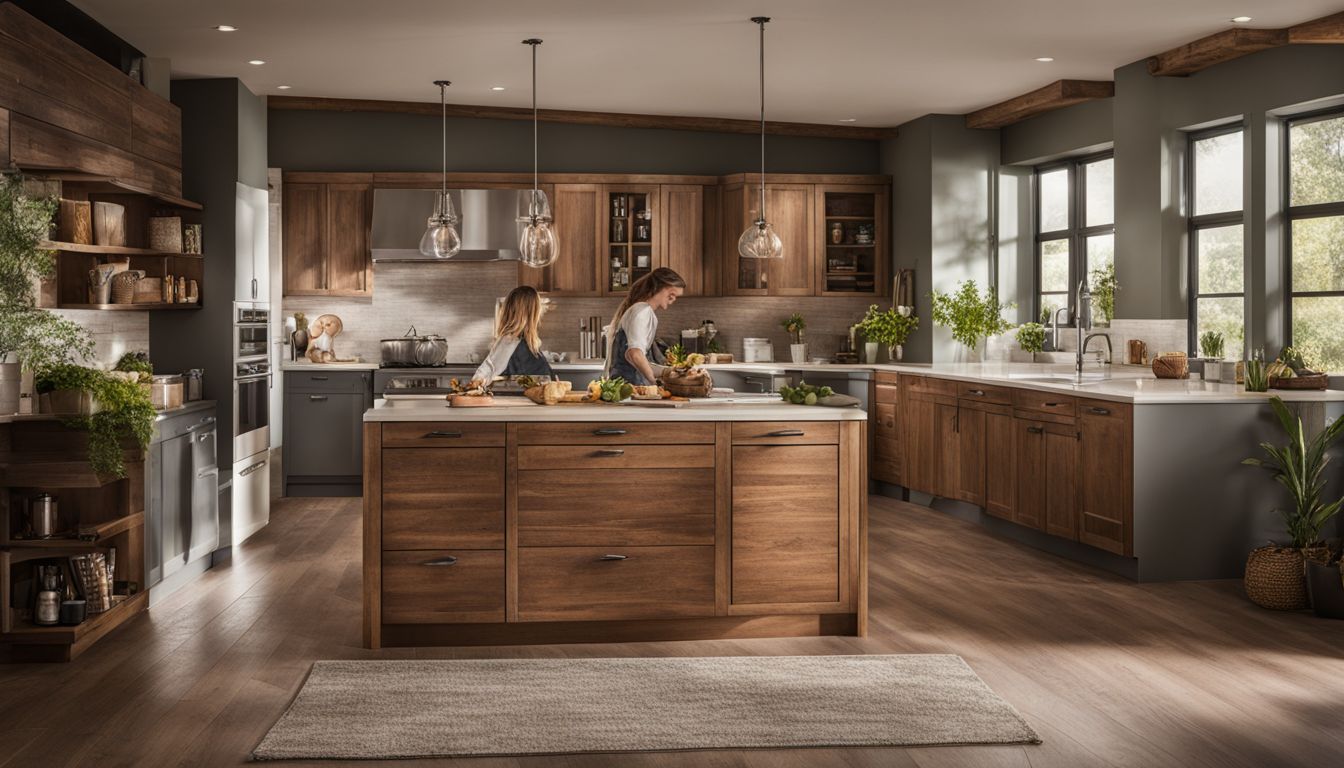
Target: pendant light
<point>536,238</point>
<point>759,241</point>
<point>441,239</point>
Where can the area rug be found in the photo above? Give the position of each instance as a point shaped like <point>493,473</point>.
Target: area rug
<point>403,709</point>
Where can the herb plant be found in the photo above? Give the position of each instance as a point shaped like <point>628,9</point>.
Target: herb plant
<point>795,324</point>
<point>1257,376</point>
<point>124,408</point>
<point>135,362</point>
<point>887,327</point>
<point>1031,337</point>
<point>970,315</point>
<point>1211,344</point>
<point>1299,466</point>
<point>1103,290</point>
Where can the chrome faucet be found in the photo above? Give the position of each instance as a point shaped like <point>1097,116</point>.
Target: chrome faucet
<point>1110,353</point>
<point>1082,321</point>
<point>1054,328</point>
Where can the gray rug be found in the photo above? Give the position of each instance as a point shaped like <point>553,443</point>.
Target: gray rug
<point>390,709</point>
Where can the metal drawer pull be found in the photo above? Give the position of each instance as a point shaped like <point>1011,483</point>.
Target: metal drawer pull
<point>1100,411</point>
<point>252,469</point>
<point>611,558</point>
<point>608,432</point>
<point>1053,405</point>
<point>439,433</point>
<point>1035,430</point>
<point>316,398</point>
<point>445,560</point>
<point>610,452</point>
<point>319,378</point>
<point>787,433</point>
<point>977,392</point>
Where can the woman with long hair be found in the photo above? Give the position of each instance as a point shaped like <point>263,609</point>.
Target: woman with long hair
<point>635,325</point>
<point>517,347</point>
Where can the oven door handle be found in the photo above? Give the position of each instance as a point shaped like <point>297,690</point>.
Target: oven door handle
<point>252,377</point>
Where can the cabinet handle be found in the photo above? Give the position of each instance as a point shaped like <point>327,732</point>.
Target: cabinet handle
<point>609,432</point>
<point>319,378</point>
<point>610,452</point>
<point>254,287</point>
<point>252,469</point>
<point>611,558</point>
<point>976,392</point>
<point>786,433</point>
<point>1035,430</point>
<point>1100,411</point>
<point>316,398</point>
<point>1053,405</point>
<point>445,560</point>
<point>439,433</point>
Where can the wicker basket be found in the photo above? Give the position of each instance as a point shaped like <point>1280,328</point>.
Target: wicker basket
<point>1276,577</point>
<point>123,286</point>
<point>1318,381</point>
<point>1171,365</point>
<point>688,383</point>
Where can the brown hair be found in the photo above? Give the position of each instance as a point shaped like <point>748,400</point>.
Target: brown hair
<point>520,316</point>
<point>644,289</point>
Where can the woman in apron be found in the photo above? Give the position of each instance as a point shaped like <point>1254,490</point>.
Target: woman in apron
<point>635,325</point>
<point>517,347</point>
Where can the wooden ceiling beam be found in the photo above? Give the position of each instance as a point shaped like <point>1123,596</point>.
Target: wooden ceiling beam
<point>1061,93</point>
<point>1215,49</point>
<point>611,119</point>
<point>1328,30</point>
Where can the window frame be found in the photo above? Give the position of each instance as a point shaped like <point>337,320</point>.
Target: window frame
<point>1197,222</point>
<point>1076,233</point>
<point>1292,213</point>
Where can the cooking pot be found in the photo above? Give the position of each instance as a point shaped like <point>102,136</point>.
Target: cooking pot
<point>431,350</point>
<point>414,349</point>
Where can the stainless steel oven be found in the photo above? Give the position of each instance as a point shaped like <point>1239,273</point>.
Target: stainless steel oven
<point>251,328</point>
<point>251,379</point>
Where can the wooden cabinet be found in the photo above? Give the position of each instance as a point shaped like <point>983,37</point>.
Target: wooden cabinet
<point>579,211</point>
<point>587,583</point>
<point>325,410</point>
<point>947,448</point>
<point>920,444</point>
<point>1000,464</point>
<point>852,251</point>
<point>1106,466</point>
<point>326,225</point>
<point>789,208</point>
<point>985,456</point>
<point>683,236</point>
<point>886,424</point>
<point>430,502</point>
<point>633,235</point>
<point>971,448</point>
<point>442,586</point>
<point>1047,476</point>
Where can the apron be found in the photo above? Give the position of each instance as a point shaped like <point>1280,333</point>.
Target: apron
<point>523,362</point>
<point>622,367</point>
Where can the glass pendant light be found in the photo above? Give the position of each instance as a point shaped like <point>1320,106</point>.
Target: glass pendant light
<point>536,238</point>
<point>441,239</point>
<point>759,241</point>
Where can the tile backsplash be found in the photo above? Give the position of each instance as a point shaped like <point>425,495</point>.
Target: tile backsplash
<point>114,333</point>
<point>1159,336</point>
<point>458,301</point>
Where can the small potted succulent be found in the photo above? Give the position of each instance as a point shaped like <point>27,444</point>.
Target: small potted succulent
<point>1211,349</point>
<point>795,324</point>
<point>890,327</point>
<point>1031,338</point>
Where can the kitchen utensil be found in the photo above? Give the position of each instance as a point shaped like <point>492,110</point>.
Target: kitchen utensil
<point>100,283</point>
<point>400,351</point>
<point>49,578</point>
<point>42,516</point>
<point>193,384</point>
<point>431,350</point>
<point>48,609</point>
<point>1138,352</point>
<point>72,612</point>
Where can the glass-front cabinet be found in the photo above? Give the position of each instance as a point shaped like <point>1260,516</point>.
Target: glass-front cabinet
<point>853,251</point>
<point>632,235</point>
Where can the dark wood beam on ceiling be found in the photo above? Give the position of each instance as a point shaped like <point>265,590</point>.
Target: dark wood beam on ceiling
<point>1215,49</point>
<point>1061,93</point>
<point>1328,30</point>
<point>611,119</point>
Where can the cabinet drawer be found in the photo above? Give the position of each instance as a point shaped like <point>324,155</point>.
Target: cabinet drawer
<point>928,385</point>
<point>440,434</point>
<point>884,421</point>
<point>1062,406</point>
<point>1104,409</point>
<point>443,587</point>
<point>598,457</point>
<point>328,381</point>
<point>984,393</point>
<point>583,583</point>
<point>636,507</point>
<point>885,393</point>
<point>886,377</point>
<point>599,433</point>
<point>443,498</point>
<point>786,433</point>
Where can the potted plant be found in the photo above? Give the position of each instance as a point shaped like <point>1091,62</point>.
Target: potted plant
<point>110,405</point>
<point>1274,573</point>
<point>795,324</point>
<point>1211,349</point>
<point>30,338</point>
<point>970,316</point>
<point>890,327</point>
<point>1103,290</point>
<point>1031,338</point>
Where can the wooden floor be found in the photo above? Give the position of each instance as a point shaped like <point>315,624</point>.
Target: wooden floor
<point>1108,672</point>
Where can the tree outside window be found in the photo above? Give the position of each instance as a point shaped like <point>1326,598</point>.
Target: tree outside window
<point>1316,239</point>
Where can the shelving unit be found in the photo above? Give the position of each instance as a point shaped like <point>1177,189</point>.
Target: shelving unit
<point>849,231</point>
<point>631,235</point>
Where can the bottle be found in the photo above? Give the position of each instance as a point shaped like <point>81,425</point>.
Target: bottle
<point>48,609</point>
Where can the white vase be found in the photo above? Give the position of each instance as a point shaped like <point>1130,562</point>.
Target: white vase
<point>870,351</point>
<point>1213,370</point>
<point>798,353</point>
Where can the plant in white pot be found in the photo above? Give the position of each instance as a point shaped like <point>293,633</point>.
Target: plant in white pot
<point>890,328</point>
<point>1275,574</point>
<point>1211,349</point>
<point>970,316</point>
<point>795,325</point>
<point>31,337</point>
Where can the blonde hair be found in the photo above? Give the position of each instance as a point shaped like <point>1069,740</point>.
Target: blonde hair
<point>520,316</point>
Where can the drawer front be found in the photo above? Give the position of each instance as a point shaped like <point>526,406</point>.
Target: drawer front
<point>443,587</point>
<point>442,498</point>
<point>598,457</point>
<point>600,433</point>
<point>885,393</point>
<point>928,385</point>
<point>886,377</point>
<point>1104,409</point>
<point>637,507</point>
<point>884,425</point>
<point>786,433</point>
<point>329,381</point>
<point>441,434</point>
<point>984,393</point>
<point>1045,402</point>
<point>587,583</point>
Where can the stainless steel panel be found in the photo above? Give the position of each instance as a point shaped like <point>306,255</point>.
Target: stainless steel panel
<point>487,224</point>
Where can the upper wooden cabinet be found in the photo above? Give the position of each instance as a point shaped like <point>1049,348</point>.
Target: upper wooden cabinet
<point>853,253</point>
<point>326,236</point>
<point>684,236</point>
<point>579,211</point>
<point>789,209</point>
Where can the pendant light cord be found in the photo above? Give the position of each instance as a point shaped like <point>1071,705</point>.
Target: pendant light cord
<point>761,20</point>
<point>443,105</point>
<point>532,210</point>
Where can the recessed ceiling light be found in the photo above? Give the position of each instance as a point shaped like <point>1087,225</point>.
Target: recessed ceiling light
<point>1240,19</point>
<point>256,62</point>
<point>1045,59</point>
<point>849,119</point>
<point>226,28</point>
<point>496,87</point>
<point>283,87</point>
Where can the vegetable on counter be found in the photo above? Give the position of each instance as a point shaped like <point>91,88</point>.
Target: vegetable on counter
<point>612,390</point>
<point>804,393</point>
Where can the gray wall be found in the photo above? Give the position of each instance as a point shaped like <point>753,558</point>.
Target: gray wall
<point>384,141</point>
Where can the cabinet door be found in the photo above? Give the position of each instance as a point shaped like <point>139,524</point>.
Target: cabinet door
<point>349,216</point>
<point>1061,481</point>
<point>175,530</point>
<point>789,208</point>
<point>683,234</point>
<point>1029,452</point>
<point>305,238</point>
<point>886,460</point>
<point>443,498</point>
<point>1107,472</point>
<point>1000,469</point>
<point>578,211</point>
<point>785,524</point>
<point>947,450</point>
<point>971,456</point>
<point>323,434</point>
<point>920,449</point>
<point>738,276</point>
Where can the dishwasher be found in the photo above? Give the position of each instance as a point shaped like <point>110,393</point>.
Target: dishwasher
<point>181,493</point>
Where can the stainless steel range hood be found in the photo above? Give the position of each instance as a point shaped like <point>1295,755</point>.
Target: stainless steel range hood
<point>488,227</point>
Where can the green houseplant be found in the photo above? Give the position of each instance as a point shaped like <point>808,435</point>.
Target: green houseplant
<point>1211,348</point>
<point>888,327</point>
<point>970,315</point>
<point>1103,290</point>
<point>795,324</point>
<point>1031,338</point>
<point>1274,573</point>
<point>109,405</point>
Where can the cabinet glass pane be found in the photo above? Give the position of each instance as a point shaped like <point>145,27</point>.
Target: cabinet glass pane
<point>1221,265</point>
<point>1218,174</point>
<point>1226,314</point>
<point>1318,254</point>
<point>1316,324</point>
<point>1100,192</point>
<point>1053,192</point>
<point>1054,266</point>
<point>1316,162</point>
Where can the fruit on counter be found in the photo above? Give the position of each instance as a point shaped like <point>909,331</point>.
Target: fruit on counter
<point>678,357</point>
<point>804,393</point>
<point>612,390</point>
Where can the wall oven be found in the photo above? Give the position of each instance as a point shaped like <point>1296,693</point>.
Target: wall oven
<point>251,421</point>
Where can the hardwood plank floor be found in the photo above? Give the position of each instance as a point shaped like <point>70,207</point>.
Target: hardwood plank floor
<point>1109,672</point>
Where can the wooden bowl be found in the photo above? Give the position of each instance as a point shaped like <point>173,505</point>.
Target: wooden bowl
<point>470,401</point>
<point>1318,381</point>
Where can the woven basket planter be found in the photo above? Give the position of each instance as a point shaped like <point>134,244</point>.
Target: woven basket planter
<point>683,383</point>
<point>1276,576</point>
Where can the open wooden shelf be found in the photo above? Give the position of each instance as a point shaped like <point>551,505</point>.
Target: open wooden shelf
<point>105,531</point>
<point>849,218</point>
<point>111,185</point>
<point>113,250</point>
<point>129,307</point>
<point>69,642</point>
<point>50,470</point>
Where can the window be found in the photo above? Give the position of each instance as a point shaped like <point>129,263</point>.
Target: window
<point>1217,239</point>
<point>1315,234</point>
<point>1075,228</point>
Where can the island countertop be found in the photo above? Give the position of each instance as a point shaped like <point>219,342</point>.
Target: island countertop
<point>712,409</point>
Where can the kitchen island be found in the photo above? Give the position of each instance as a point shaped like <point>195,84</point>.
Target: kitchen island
<point>580,523</point>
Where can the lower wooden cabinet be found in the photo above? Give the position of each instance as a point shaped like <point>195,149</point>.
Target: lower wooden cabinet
<point>442,586</point>
<point>1106,464</point>
<point>1000,464</point>
<point>1047,476</point>
<point>443,497</point>
<point>563,508</point>
<point>587,583</point>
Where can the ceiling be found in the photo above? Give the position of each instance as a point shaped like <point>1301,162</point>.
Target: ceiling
<point>880,62</point>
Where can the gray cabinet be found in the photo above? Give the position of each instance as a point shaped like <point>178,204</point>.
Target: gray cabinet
<point>181,491</point>
<point>323,451</point>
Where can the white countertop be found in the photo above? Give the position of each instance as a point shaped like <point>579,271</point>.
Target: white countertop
<point>304,365</point>
<point>696,410</point>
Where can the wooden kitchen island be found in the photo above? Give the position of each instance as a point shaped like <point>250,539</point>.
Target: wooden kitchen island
<point>592,523</point>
